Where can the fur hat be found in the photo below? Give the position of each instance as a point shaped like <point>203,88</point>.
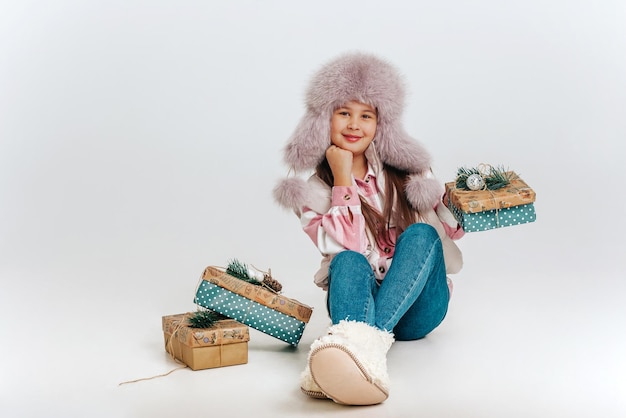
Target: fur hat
<point>367,79</point>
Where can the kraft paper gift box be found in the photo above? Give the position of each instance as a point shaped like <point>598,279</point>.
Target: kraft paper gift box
<point>223,344</point>
<point>253,305</point>
<point>480,210</point>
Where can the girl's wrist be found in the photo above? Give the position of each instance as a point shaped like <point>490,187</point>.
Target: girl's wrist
<point>342,181</point>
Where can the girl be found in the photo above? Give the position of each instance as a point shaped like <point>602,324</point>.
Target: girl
<point>374,211</point>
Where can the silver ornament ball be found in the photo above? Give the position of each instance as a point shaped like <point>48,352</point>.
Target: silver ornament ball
<point>475,182</point>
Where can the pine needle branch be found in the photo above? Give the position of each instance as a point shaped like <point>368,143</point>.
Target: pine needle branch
<point>204,319</point>
<point>496,178</point>
<point>240,270</point>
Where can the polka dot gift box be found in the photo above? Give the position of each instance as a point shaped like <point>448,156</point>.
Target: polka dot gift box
<point>480,210</point>
<point>252,305</point>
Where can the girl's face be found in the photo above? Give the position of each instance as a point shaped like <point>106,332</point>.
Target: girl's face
<point>353,126</point>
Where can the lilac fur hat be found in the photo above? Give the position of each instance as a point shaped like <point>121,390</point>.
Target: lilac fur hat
<point>368,79</point>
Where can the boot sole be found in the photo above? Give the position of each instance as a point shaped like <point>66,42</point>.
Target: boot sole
<point>340,375</point>
<point>314,394</point>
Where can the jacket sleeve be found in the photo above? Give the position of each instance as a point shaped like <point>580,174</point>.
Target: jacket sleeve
<point>342,227</point>
<point>452,227</point>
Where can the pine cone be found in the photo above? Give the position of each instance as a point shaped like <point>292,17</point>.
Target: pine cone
<point>272,283</point>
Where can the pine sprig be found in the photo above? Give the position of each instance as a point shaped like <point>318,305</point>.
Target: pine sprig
<point>241,271</point>
<point>204,319</point>
<point>496,177</point>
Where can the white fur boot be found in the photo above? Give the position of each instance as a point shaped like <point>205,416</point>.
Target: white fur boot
<point>349,365</point>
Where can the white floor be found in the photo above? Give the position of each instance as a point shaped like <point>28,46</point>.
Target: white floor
<point>519,341</point>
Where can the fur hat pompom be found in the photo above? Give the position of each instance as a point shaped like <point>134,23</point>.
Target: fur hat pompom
<point>291,193</point>
<point>423,193</point>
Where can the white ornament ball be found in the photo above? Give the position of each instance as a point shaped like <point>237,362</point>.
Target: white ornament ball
<point>255,274</point>
<point>475,182</point>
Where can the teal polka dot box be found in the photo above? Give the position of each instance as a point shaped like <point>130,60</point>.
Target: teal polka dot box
<point>480,210</point>
<point>253,305</point>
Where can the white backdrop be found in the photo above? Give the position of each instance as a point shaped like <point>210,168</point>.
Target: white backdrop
<point>140,142</point>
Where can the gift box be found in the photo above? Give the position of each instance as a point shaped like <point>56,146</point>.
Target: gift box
<point>480,210</point>
<point>223,344</point>
<point>253,305</point>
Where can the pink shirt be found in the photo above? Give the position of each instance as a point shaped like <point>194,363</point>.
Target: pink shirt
<point>342,227</point>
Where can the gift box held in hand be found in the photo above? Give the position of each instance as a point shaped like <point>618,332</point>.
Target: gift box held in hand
<point>253,305</point>
<point>480,210</point>
<point>225,343</point>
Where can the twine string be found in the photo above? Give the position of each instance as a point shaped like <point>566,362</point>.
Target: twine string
<point>485,169</point>
<point>154,377</point>
<point>497,207</point>
<point>266,274</point>
<point>245,314</point>
<point>170,350</point>
<point>498,204</point>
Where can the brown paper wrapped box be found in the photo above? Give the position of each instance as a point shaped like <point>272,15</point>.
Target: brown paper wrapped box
<point>258,294</point>
<point>253,305</point>
<point>473,201</point>
<point>224,344</point>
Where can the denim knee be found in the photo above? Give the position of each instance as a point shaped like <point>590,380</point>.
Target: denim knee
<point>351,288</point>
<point>348,257</point>
<point>349,266</point>
<point>421,230</point>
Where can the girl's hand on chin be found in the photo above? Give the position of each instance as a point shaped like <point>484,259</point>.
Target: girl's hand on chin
<point>340,162</point>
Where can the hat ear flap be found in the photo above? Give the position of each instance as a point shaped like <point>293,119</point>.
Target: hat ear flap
<point>397,149</point>
<point>422,193</point>
<point>307,146</point>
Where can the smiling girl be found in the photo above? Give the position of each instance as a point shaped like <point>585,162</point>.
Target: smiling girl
<point>375,212</point>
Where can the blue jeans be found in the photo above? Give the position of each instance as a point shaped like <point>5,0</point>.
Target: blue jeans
<point>413,298</point>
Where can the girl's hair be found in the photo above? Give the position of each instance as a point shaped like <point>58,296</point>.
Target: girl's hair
<point>396,208</point>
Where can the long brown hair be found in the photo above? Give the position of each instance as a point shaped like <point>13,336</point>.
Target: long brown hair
<point>396,207</point>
